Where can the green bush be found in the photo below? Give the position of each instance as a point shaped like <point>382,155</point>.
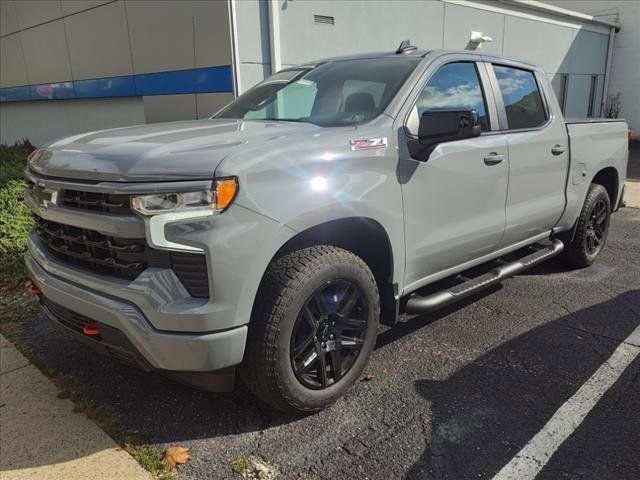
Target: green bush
<point>15,218</point>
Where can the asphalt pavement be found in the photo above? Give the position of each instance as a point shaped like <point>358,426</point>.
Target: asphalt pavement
<point>453,395</point>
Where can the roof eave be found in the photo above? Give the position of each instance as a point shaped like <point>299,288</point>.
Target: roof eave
<point>563,12</point>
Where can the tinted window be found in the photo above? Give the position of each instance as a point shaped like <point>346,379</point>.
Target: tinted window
<point>455,86</point>
<point>521,97</point>
<point>295,101</point>
<point>344,92</point>
<point>375,89</point>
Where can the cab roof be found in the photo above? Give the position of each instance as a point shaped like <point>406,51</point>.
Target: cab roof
<point>421,54</point>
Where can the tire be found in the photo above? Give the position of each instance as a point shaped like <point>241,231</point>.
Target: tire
<point>591,230</point>
<point>296,289</point>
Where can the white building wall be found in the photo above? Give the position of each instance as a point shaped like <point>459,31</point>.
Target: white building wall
<point>61,40</point>
<point>559,44</point>
<point>625,68</point>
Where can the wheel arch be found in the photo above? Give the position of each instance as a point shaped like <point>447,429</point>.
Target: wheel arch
<point>366,238</point>
<point>608,177</point>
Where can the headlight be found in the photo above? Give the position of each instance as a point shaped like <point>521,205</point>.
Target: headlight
<point>209,201</point>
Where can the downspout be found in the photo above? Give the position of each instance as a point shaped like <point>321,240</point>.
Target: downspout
<point>274,36</point>
<point>235,57</point>
<point>607,71</point>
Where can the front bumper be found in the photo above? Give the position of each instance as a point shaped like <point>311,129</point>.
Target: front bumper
<point>157,349</point>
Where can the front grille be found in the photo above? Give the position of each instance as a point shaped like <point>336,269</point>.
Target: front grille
<point>120,257</point>
<point>125,258</point>
<point>100,202</point>
<point>97,202</point>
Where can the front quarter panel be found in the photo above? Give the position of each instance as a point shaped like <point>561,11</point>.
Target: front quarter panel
<point>313,178</point>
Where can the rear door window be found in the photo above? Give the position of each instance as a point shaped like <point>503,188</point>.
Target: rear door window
<point>521,97</point>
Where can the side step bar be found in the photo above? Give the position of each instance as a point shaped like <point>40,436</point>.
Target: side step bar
<point>418,304</point>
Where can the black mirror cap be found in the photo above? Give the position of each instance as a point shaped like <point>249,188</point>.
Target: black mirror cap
<point>440,126</point>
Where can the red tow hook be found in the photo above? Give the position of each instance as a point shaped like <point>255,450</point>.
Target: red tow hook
<point>32,290</point>
<point>92,329</point>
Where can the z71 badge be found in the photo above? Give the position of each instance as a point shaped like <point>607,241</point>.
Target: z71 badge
<point>368,143</point>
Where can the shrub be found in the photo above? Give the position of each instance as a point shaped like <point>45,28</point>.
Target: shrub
<point>15,218</point>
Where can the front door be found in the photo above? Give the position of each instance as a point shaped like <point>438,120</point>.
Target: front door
<point>454,202</point>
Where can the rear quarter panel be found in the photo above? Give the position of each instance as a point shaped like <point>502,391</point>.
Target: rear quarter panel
<point>595,145</point>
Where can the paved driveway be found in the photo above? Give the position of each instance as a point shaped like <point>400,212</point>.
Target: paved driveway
<point>454,395</point>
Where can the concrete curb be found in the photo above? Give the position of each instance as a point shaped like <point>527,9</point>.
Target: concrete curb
<point>40,435</point>
<point>632,194</point>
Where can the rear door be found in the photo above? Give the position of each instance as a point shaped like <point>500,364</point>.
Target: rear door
<point>454,202</point>
<point>538,151</point>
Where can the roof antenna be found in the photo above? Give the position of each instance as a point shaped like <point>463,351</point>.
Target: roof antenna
<point>405,46</point>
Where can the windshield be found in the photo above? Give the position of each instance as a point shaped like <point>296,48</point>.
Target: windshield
<point>337,93</point>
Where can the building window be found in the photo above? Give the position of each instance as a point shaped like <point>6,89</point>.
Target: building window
<point>562,95</point>
<point>592,95</point>
<point>521,97</point>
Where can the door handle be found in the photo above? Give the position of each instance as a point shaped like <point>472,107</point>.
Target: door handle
<point>493,158</point>
<point>558,149</point>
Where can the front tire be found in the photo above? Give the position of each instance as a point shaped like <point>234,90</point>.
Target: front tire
<point>313,329</point>
<point>591,230</point>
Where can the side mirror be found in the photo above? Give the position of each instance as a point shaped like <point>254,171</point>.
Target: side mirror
<point>440,126</point>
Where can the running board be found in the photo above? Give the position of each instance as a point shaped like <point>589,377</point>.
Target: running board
<point>418,304</point>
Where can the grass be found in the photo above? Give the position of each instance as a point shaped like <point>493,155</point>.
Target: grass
<point>150,459</point>
<point>242,465</point>
<point>15,223</point>
<point>251,467</point>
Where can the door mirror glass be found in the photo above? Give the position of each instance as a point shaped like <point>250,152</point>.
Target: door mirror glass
<point>447,125</point>
<point>454,86</point>
<point>440,126</point>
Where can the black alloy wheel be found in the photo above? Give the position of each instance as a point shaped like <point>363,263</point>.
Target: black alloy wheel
<point>596,227</point>
<point>312,330</point>
<point>585,243</point>
<point>328,334</point>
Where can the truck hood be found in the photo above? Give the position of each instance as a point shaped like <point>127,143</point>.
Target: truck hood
<point>189,150</point>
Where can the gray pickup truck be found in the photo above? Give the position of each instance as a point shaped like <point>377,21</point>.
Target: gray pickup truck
<point>274,237</point>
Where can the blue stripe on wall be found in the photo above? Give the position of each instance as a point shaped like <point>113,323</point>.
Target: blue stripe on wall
<point>193,80</point>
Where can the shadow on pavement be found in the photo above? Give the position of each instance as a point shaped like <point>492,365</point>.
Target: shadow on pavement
<point>487,411</point>
<point>482,415</point>
<point>417,322</point>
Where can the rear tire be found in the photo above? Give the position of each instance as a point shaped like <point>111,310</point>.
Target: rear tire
<point>299,329</point>
<point>591,230</point>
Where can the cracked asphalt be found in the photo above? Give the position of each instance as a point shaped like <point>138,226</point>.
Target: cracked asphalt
<point>454,395</point>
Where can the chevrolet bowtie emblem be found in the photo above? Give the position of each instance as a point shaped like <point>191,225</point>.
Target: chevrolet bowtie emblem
<point>45,196</point>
